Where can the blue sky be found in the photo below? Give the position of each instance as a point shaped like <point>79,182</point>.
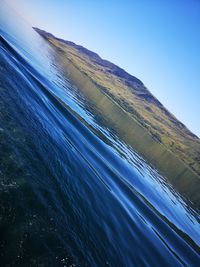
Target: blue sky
<point>156,41</point>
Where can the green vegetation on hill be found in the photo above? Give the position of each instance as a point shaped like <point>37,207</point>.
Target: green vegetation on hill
<point>131,94</point>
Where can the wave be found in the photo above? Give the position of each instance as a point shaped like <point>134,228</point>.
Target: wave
<point>67,196</point>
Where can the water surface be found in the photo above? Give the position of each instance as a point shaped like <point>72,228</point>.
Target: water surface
<point>71,191</point>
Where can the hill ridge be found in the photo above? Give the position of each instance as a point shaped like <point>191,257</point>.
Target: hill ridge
<point>132,95</point>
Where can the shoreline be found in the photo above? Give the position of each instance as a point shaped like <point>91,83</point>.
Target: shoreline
<point>131,132</point>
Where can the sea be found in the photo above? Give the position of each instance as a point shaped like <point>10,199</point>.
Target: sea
<point>72,192</point>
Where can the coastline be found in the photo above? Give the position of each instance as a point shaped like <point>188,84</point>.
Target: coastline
<point>184,179</point>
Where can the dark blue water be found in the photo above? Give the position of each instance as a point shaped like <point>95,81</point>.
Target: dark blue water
<point>71,192</point>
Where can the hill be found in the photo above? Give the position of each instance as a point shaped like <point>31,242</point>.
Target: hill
<point>132,95</point>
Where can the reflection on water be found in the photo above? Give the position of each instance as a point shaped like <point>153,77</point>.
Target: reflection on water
<point>72,192</point>
<point>113,117</point>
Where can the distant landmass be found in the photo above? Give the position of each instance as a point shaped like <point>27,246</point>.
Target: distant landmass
<point>133,97</point>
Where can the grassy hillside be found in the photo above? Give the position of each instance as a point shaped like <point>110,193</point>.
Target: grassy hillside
<point>131,94</point>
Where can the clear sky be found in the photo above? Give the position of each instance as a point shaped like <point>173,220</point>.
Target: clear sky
<point>158,41</point>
